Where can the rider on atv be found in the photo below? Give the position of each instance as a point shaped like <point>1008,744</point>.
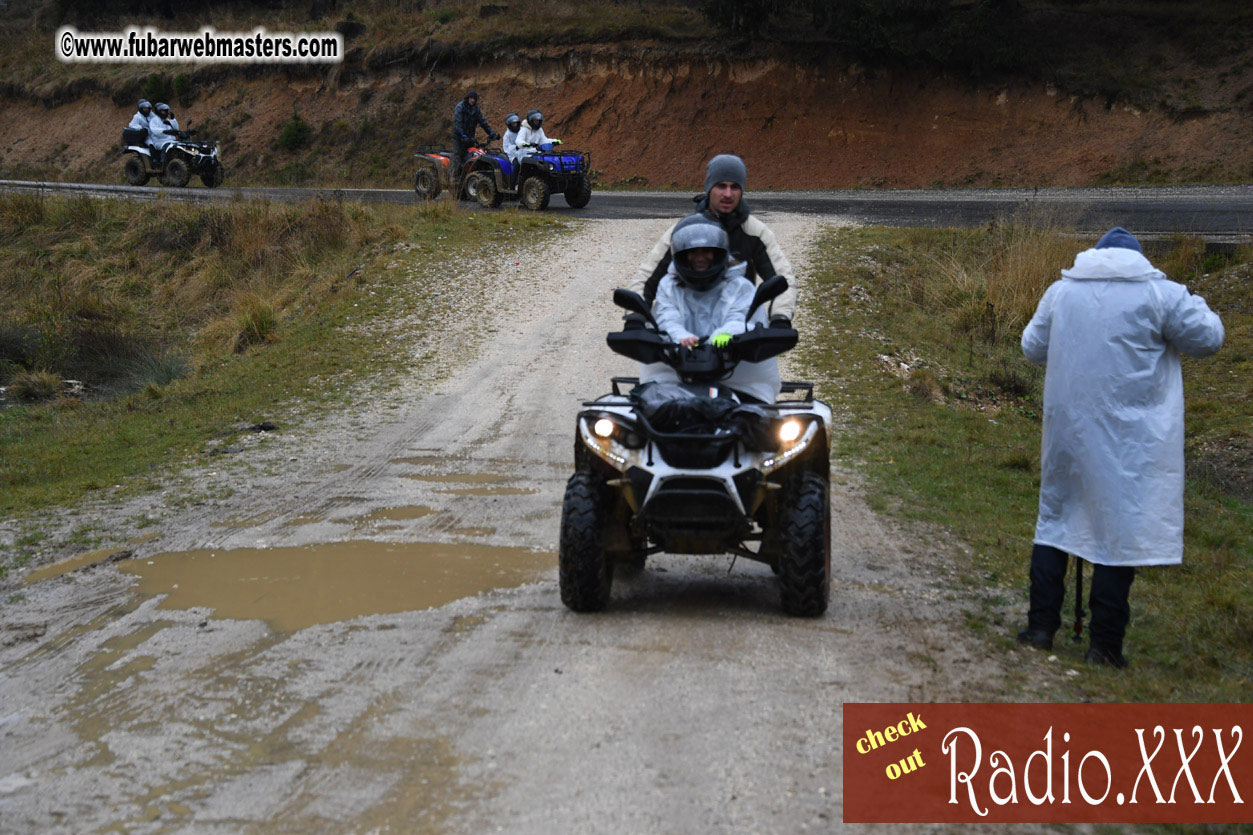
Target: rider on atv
<point>162,129</point>
<point>531,136</point>
<point>703,296</point>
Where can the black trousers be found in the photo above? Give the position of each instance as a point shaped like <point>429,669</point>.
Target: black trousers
<point>458,159</point>
<point>1107,601</point>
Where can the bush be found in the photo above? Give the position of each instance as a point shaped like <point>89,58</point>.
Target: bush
<point>34,386</point>
<point>156,89</point>
<point>183,88</point>
<point>295,133</point>
<point>255,322</point>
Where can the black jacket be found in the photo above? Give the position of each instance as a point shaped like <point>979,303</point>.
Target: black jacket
<point>465,118</point>
<point>752,242</point>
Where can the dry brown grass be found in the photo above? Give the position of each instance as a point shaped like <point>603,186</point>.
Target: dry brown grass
<point>994,283</point>
<point>106,291</point>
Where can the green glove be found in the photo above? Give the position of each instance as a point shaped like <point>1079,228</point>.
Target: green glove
<point>721,340</point>
<point>556,141</point>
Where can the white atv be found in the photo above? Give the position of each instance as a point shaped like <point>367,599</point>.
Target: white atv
<point>687,468</point>
<point>182,159</point>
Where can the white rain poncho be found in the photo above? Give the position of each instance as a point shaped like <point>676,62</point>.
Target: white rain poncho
<point>509,144</point>
<point>138,122</point>
<point>529,139</point>
<point>1111,471</point>
<point>682,313</point>
<point>160,132</point>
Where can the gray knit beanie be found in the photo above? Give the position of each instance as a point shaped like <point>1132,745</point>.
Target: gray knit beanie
<point>725,168</point>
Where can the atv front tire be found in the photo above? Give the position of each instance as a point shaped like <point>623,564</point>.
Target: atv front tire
<point>585,571</point>
<point>213,177</point>
<point>135,171</point>
<point>426,182</point>
<point>177,173</point>
<point>578,195</point>
<point>534,194</point>
<point>488,195</point>
<point>805,559</point>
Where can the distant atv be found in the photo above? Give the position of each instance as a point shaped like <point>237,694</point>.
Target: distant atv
<point>435,172</point>
<point>491,177</point>
<point>181,160</point>
<point>534,179</point>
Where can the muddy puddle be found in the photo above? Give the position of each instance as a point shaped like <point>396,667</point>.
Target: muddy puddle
<point>73,563</point>
<point>293,588</point>
<point>398,514</point>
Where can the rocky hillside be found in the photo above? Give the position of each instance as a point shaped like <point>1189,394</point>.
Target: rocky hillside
<point>651,110</point>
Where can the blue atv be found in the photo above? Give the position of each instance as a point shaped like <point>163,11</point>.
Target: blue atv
<point>532,181</point>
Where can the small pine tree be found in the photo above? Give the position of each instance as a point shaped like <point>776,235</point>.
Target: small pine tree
<point>295,133</point>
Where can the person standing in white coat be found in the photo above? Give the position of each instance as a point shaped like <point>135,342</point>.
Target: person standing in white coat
<point>1109,334</point>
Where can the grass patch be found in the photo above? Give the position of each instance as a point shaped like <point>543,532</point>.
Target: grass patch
<point>913,335</point>
<point>245,312</point>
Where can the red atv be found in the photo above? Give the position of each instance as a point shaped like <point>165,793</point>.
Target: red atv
<point>435,172</point>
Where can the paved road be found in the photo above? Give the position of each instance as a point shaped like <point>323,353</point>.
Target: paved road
<point>1219,213</point>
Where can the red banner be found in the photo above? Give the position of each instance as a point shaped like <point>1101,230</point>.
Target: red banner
<point>1043,763</point>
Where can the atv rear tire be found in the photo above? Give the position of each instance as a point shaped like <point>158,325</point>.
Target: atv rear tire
<point>578,195</point>
<point>805,559</point>
<point>488,195</point>
<point>470,190</point>
<point>426,182</point>
<point>135,170</point>
<point>585,571</point>
<point>177,173</point>
<point>213,177</point>
<point>534,194</point>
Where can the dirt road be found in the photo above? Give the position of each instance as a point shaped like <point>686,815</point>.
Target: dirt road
<point>307,688</point>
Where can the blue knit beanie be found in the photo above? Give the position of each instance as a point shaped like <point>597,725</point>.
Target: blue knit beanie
<point>725,168</point>
<point>1119,238</point>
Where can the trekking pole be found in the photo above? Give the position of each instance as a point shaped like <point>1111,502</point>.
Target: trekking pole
<point>1077,637</point>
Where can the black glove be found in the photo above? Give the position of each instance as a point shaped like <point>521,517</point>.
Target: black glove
<point>633,322</point>
<point>781,322</point>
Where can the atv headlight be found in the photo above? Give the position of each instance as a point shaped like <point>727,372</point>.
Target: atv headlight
<point>603,428</point>
<point>795,435</point>
<point>615,428</point>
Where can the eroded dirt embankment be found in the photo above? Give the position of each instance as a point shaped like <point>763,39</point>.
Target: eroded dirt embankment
<point>652,118</point>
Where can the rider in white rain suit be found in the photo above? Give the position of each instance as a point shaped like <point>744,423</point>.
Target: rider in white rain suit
<point>1110,333</point>
<point>694,303</point>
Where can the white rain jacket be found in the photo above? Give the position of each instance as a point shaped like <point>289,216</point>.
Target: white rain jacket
<point>139,122</point>
<point>509,144</point>
<point>528,135</point>
<point>682,313</point>
<point>1111,470</point>
<point>160,133</point>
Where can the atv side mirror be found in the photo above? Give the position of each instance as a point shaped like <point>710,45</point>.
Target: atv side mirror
<point>770,289</point>
<point>634,302</point>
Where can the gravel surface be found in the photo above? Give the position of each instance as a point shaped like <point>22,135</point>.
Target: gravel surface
<point>691,705</point>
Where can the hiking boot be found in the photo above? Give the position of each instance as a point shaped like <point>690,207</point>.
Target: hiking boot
<point>1105,658</point>
<point>1038,638</point>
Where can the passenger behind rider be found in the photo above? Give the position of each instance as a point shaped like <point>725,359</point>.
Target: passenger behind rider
<point>140,120</point>
<point>162,129</point>
<point>531,136</point>
<point>509,144</point>
<point>704,294</point>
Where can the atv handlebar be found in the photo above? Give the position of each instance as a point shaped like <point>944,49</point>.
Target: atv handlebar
<point>703,362</point>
